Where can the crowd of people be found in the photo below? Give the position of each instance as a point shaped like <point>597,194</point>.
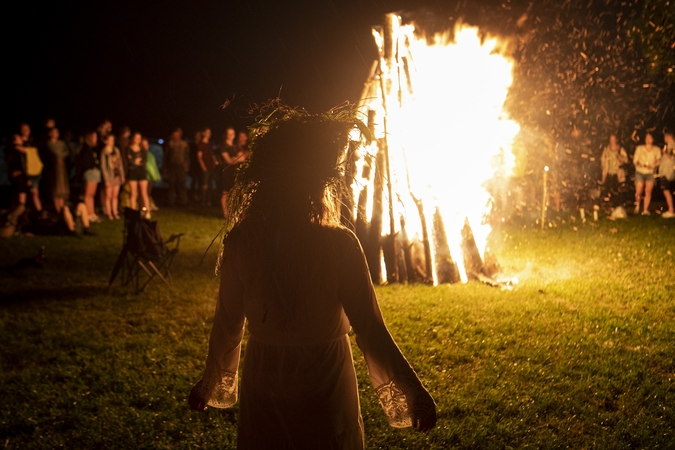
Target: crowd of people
<point>654,166</point>
<point>96,177</point>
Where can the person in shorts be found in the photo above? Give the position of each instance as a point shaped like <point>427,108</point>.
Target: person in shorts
<point>33,165</point>
<point>646,159</point>
<point>137,177</point>
<point>89,166</point>
<point>667,173</point>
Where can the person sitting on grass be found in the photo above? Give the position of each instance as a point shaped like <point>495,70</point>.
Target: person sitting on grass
<point>18,222</point>
<point>667,173</point>
<point>300,280</point>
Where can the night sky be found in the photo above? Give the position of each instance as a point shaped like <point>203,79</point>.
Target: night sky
<point>156,65</point>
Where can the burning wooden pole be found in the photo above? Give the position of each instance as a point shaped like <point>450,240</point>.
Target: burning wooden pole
<point>544,200</point>
<point>416,244</point>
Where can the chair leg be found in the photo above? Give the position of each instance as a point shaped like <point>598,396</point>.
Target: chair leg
<point>159,274</point>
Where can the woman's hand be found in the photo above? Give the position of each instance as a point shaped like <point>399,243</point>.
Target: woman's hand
<point>196,403</point>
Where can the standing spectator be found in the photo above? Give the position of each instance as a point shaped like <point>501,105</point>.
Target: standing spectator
<point>16,168</point>
<point>228,163</point>
<point>89,168</point>
<point>59,185</point>
<point>33,165</point>
<point>123,141</point>
<point>112,170</point>
<point>49,124</point>
<point>136,175</point>
<point>195,168</point>
<point>104,130</point>
<point>152,172</point>
<point>242,146</point>
<point>207,164</point>
<point>646,159</point>
<point>613,157</point>
<point>45,154</point>
<point>233,155</point>
<point>667,173</point>
<point>176,163</point>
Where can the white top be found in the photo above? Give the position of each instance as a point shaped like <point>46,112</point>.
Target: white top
<point>298,387</point>
<point>646,160</point>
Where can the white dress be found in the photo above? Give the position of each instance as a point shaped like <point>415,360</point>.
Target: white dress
<point>298,387</point>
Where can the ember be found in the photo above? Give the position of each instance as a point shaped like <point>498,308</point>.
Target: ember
<point>435,108</point>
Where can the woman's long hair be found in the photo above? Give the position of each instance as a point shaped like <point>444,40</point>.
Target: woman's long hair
<point>290,184</point>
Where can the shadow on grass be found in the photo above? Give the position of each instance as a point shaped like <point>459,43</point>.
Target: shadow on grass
<point>19,297</point>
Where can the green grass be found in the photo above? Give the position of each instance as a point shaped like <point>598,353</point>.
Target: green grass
<point>580,354</point>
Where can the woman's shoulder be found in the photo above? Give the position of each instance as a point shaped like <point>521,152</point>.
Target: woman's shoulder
<point>344,238</point>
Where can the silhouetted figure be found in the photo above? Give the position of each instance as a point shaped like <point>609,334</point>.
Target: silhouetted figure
<point>175,167</point>
<point>207,163</point>
<point>59,181</point>
<point>231,157</point>
<point>613,158</point>
<point>667,173</point>
<point>90,169</point>
<point>300,281</point>
<point>137,176</point>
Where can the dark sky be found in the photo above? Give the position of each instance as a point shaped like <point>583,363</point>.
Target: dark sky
<point>155,65</point>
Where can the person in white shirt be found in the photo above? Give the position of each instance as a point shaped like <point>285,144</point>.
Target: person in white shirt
<point>646,159</point>
<point>667,173</point>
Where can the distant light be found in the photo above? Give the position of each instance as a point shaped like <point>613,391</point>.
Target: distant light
<point>160,141</point>
<point>546,168</point>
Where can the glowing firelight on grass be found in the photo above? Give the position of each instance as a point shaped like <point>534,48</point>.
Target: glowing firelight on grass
<point>437,105</point>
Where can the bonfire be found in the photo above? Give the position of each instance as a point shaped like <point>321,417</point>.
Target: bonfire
<point>419,192</point>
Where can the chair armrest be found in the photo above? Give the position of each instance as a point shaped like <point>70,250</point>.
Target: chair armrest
<point>173,237</point>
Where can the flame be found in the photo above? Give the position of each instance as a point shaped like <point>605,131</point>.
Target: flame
<point>440,105</point>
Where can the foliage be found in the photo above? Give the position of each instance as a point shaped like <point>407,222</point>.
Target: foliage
<point>579,354</point>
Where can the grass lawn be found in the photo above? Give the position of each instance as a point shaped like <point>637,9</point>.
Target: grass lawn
<point>580,354</point>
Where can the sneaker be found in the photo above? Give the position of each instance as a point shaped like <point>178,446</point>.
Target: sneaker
<point>153,207</point>
<point>94,219</point>
<point>646,213</point>
<point>668,215</point>
<point>636,211</point>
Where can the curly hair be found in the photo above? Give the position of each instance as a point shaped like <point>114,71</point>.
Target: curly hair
<point>294,175</point>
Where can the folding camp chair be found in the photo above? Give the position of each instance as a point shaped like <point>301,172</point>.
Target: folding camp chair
<point>144,252</point>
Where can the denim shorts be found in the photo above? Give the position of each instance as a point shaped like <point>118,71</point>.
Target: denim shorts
<point>34,181</point>
<point>92,176</point>
<point>666,184</point>
<point>644,177</point>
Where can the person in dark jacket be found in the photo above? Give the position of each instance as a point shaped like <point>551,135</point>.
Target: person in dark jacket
<point>175,166</point>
